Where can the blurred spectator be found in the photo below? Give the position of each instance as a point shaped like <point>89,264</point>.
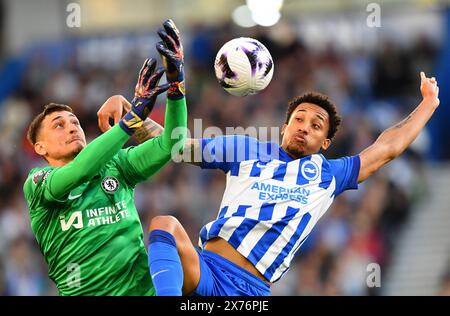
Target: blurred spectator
<point>22,274</point>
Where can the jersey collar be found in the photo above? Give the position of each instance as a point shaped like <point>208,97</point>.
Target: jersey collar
<point>284,156</point>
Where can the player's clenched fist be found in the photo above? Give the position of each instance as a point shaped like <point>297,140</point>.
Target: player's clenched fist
<point>429,89</point>
<point>113,108</point>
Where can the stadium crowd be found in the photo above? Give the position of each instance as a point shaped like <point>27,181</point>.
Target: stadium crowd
<point>373,90</point>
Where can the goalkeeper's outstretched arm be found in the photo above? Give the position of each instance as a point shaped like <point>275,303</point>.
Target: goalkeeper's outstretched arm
<point>151,155</point>
<point>94,156</point>
<point>393,141</point>
<point>117,104</point>
<point>155,152</point>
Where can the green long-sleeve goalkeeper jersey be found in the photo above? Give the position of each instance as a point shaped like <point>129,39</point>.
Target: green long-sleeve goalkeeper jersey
<point>84,217</point>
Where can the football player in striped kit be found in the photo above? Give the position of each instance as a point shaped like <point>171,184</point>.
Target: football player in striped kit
<point>274,196</point>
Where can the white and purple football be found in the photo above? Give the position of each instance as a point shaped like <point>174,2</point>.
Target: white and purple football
<point>243,66</point>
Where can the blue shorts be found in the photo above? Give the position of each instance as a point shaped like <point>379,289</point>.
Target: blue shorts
<point>221,277</point>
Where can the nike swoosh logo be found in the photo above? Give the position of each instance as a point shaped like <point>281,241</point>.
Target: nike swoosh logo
<point>73,197</point>
<point>154,275</point>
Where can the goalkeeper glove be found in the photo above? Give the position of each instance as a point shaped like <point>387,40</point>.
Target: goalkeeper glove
<point>172,55</point>
<point>145,95</point>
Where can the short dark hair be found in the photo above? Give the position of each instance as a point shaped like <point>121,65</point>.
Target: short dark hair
<point>320,100</point>
<point>35,126</point>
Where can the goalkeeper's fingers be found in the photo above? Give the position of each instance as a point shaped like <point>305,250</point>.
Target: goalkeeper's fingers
<point>154,79</point>
<point>161,89</point>
<point>146,71</point>
<point>168,41</point>
<point>165,52</point>
<point>172,31</point>
<point>143,68</point>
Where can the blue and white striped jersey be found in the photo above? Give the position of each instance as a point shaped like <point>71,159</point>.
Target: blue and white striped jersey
<point>271,201</point>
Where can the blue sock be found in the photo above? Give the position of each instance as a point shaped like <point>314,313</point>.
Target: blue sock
<point>165,265</point>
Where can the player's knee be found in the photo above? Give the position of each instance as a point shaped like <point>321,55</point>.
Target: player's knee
<point>166,223</point>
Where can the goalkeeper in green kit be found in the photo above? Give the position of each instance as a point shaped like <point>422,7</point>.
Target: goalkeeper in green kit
<point>82,205</point>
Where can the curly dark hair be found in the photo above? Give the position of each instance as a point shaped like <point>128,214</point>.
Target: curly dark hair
<point>320,100</point>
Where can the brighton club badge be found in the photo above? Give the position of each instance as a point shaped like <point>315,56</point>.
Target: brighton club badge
<point>110,185</point>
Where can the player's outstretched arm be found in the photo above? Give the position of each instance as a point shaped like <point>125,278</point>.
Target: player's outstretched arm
<point>393,141</point>
<point>92,158</point>
<point>172,54</point>
<point>117,104</point>
<point>171,50</point>
<point>114,108</point>
<point>151,155</point>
